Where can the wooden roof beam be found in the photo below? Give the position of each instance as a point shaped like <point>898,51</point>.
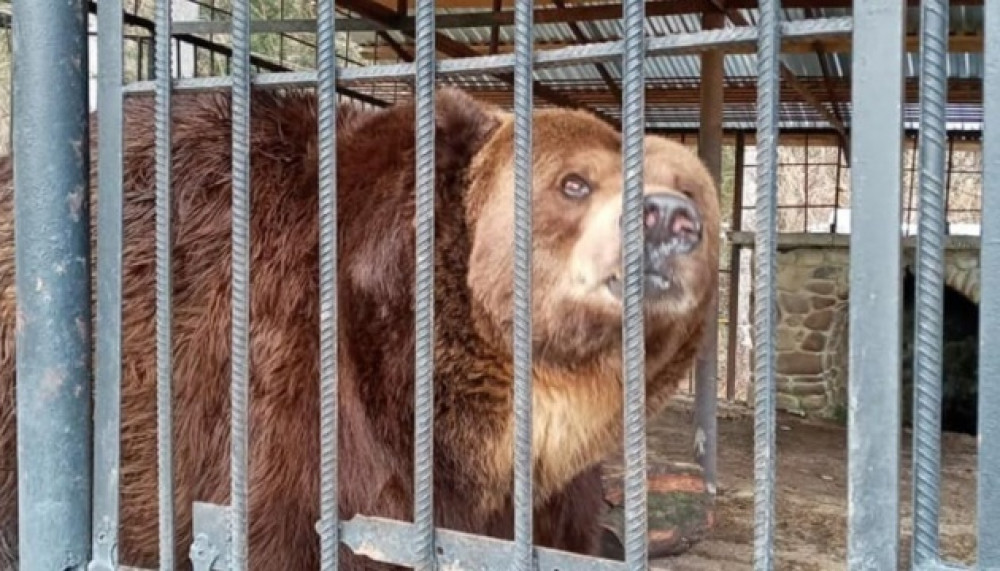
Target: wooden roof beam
<point>825,70</point>
<point>400,51</point>
<point>227,51</point>
<point>602,69</point>
<point>956,44</point>
<point>740,92</point>
<point>584,12</point>
<point>378,13</point>
<point>788,75</point>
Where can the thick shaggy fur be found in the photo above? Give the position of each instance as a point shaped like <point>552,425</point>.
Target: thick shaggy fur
<point>578,359</point>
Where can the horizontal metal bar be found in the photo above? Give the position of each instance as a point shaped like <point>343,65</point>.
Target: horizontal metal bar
<point>677,44</point>
<point>505,18</point>
<point>943,566</point>
<point>260,26</point>
<point>391,541</point>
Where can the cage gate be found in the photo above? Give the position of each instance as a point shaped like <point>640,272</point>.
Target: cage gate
<point>68,466</point>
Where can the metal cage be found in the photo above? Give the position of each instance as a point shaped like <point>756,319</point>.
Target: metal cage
<point>68,464</point>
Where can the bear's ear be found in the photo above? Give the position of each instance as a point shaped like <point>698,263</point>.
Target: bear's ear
<point>463,126</point>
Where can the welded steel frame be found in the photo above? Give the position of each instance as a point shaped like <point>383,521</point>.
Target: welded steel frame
<point>48,122</point>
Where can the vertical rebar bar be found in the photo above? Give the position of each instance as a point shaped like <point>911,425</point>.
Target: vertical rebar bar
<point>108,351</point>
<point>523,142</point>
<point>875,285</point>
<point>988,510</point>
<point>633,330</point>
<point>326,63</point>
<point>51,155</point>
<point>241,282</point>
<point>765,283</point>
<point>928,334</point>
<point>164,284</point>
<point>423,444</point>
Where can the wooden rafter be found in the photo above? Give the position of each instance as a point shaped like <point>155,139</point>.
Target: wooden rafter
<point>788,75</point>
<point>602,69</point>
<point>372,10</point>
<point>581,12</point>
<point>400,51</point>
<point>825,70</point>
<point>738,91</point>
<point>971,43</point>
<point>495,28</point>
<point>226,51</point>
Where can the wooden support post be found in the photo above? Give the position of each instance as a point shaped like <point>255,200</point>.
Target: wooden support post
<point>710,151</point>
<point>734,269</point>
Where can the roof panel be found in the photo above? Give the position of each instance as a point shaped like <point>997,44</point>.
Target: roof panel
<point>686,68</point>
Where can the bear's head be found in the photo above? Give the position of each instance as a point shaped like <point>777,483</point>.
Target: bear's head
<point>577,204</point>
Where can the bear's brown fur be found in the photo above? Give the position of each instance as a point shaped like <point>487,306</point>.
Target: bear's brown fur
<point>577,331</point>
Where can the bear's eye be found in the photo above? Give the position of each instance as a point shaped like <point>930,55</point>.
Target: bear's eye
<point>575,186</point>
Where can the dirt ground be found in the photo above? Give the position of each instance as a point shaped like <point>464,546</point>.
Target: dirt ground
<point>811,492</point>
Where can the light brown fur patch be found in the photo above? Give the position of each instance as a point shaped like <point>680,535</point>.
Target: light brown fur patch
<point>576,324</point>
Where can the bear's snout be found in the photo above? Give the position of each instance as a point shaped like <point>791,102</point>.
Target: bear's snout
<point>671,222</point>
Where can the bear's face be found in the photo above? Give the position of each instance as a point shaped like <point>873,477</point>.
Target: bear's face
<point>577,256</point>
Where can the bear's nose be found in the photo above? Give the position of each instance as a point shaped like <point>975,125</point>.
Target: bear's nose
<point>671,220</point>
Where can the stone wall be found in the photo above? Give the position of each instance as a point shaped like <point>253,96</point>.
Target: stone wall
<point>811,335</point>
<point>812,315</point>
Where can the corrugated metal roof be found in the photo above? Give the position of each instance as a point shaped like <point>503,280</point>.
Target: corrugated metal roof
<point>682,72</point>
<point>673,71</point>
<point>963,19</point>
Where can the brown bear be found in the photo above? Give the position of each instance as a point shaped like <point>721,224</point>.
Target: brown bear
<point>577,317</point>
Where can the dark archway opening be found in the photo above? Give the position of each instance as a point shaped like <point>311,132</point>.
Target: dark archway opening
<point>959,358</point>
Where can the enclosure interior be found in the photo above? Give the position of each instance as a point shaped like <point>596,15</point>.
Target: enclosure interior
<point>711,101</point>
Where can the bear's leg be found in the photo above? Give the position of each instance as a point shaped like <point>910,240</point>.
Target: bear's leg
<point>8,518</point>
<point>570,521</point>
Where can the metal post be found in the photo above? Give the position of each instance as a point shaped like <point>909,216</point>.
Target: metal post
<point>326,62</point>
<point>928,334</point>
<point>988,511</point>
<point>522,350</point>
<point>875,285</point>
<point>706,375</point>
<point>164,287</point>
<point>633,353</point>
<point>423,443</point>
<point>108,356</point>
<point>240,485</point>
<point>765,283</point>
<point>52,250</point>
